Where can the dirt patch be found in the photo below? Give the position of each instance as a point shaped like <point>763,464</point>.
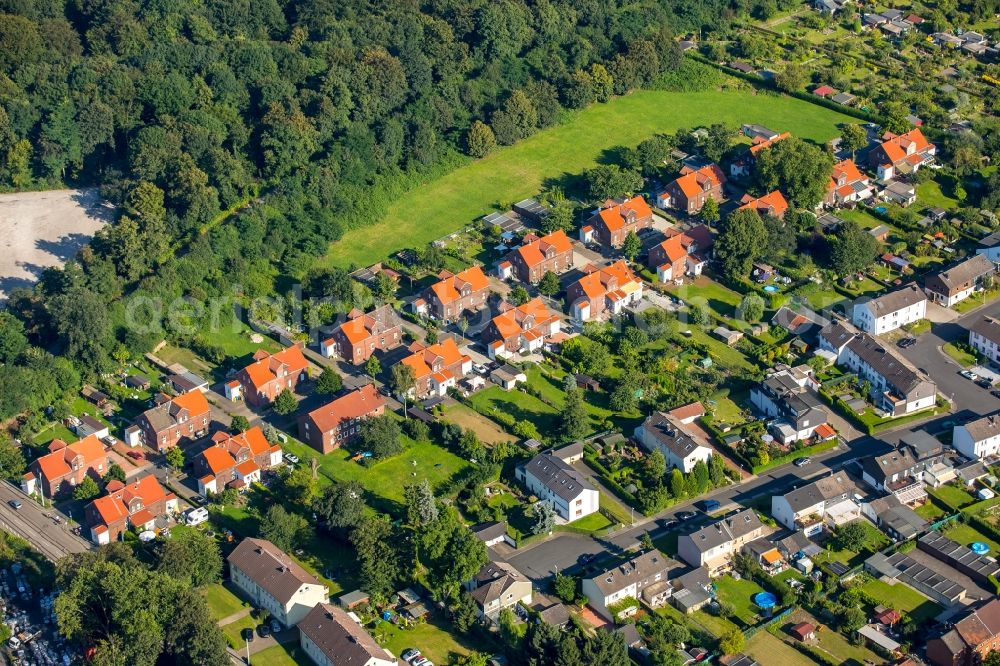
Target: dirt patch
<point>486,430</point>
<point>43,229</point>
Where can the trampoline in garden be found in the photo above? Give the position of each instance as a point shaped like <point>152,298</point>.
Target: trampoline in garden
<point>979,548</point>
<point>765,600</point>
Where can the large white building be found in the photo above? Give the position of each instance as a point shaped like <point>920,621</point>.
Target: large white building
<point>331,637</point>
<point>553,480</point>
<point>978,439</point>
<point>274,581</point>
<point>789,396</point>
<point>984,337</point>
<point>960,281</point>
<point>891,311</point>
<point>665,433</point>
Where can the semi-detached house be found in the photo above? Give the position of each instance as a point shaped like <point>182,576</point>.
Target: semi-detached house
<point>807,508</point>
<point>714,545</point>
<point>898,473</point>
<point>65,466</point>
<point>682,447</point>
<point>363,334</point>
<point>454,294</point>
<point>602,291</point>
<point>643,577</point>
<point>790,396</point>
<point>274,581</point>
<point>901,154</point>
<point>676,257</point>
<point>984,337</point>
<point>537,256</point>
<point>978,439</point>
<point>970,639</point>
<point>437,367</point>
<point>235,461</point>
<point>690,191</point>
<point>615,220</point>
<point>520,330</point>
<point>261,382</point>
<point>847,184</point>
<point>551,479</point>
<point>173,420</point>
<point>890,311</point>
<point>331,637</point>
<point>897,387</point>
<point>956,283</point>
<point>137,504</point>
<point>337,423</point>
<point>498,586</point>
<point>772,204</point>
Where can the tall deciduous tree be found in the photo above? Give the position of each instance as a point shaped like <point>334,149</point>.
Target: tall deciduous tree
<point>480,140</point>
<point>328,382</point>
<point>574,422</point>
<point>375,541</point>
<point>852,250</point>
<point>421,507</point>
<point>380,436</point>
<point>285,403</point>
<point>341,506</point>
<point>799,169</point>
<point>740,243</point>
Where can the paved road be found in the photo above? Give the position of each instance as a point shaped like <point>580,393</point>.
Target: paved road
<point>32,524</point>
<point>927,354</point>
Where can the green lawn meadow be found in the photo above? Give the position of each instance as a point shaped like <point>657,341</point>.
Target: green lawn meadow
<point>514,172</point>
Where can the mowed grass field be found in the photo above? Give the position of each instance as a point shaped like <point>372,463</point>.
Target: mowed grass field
<point>515,172</point>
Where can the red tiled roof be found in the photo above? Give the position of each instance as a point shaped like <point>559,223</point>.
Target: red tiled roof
<point>536,251</point>
<point>613,217</point>
<point>218,459</point>
<point>56,464</point>
<point>767,143</point>
<point>771,203</point>
<point>262,370</point>
<point>423,359</point>
<point>597,283</point>
<point>448,288</point>
<point>693,182</point>
<point>193,401</point>
<point>690,410</point>
<point>354,405</point>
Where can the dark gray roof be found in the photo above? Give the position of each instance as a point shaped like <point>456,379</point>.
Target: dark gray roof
<point>908,570</point>
<point>954,553</point>
<point>992,240</point>
<point>531,209</point>
<point>898,373</point>
<point>556,615</point>
<point>838,334</point>
<point>569,451</point>
<point>187,381</point>
<point>895,301</point>
<point>923,444</point>
<point>725,530</point>
<point>557,476</point>
<point>798,404</point>
<point>670,432</point>
<point>352,598</point>
<point>988,327</point>
<point>641,568</point>
<point>270,568</point>
<point>798,319</point>
<point>493,580</point>
<point>884,466</point>
<point>489,531</point>
<point>955,278</point>
<point>903,520</point>
<point>340,638</point>
<point>829,487</point>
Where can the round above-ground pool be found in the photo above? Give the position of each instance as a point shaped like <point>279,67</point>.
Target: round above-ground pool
<point>765,600</point>
<point>770,289</point>
<point>979,548</point>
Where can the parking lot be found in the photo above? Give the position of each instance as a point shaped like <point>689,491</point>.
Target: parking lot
<point>30,615</point>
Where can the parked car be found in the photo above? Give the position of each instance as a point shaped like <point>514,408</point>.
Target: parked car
<point>686,515</point>
<point>410,654</point>
<point>708,506</point>
<point>15,503</point>
<point>135,455</point>
<point>480,369</point>
<point>995,394</point>
<point>906,342</point>
<point>198,499</point>
<point>969,374</point>
<point>292,458</point>
<point>984,383</point>
<point>802,462</point>
<point>670,524</point>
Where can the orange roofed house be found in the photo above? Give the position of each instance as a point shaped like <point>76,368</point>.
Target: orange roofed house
<point>603,290</point>
<point>536,256</point>
<point>173,420</point>
<point>137,504</point>
<point>337,423</point>
<point>614,220</point>
<point>65,466</point>
<point>743,165</point>
<point>235,461</point>
<point>772,203</point>
<point>847,184</point>
<point>900,154</point>
<point>521,329</point>
<point>454,293</point>
<point>675,257</point>
<point>263,380</point>
<point>362,334</point>
<point>693,188</point>
<point>437,367</point>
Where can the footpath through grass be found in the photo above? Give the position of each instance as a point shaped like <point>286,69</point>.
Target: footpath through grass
<point>519,171</point>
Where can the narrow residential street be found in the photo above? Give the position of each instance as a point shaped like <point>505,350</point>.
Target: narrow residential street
<point>37,525</point>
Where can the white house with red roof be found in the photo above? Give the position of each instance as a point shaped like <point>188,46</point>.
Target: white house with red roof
<point>520,330</point>
<point>847,184</point>
<point>235,461</point>
<point>263,380</point>
<point>136,504</point>
<point>537,256</point>
<point>437,367</point>
<point>901,154</point>
<point>602,291</point>
<point>65,466</point>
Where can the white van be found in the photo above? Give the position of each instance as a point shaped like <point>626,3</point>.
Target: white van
<point>196,516</point>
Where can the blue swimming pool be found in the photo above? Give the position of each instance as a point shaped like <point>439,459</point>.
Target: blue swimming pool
<point>765,600</point>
